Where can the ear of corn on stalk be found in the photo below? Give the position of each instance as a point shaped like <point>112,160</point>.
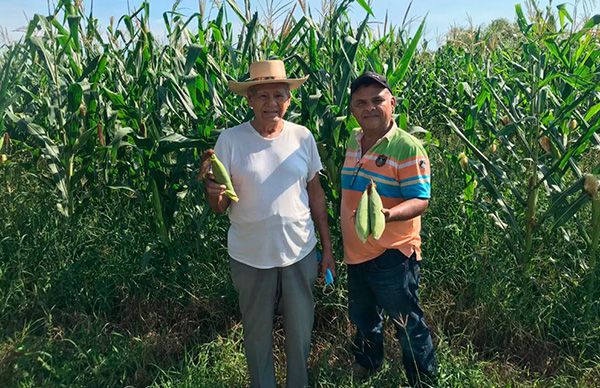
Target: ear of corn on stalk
<point>222,177</point>
<point>463,160</point>
<point>591,184</point>
<point>573,124</point>
<point>545,144</point>
<point>369,219</point>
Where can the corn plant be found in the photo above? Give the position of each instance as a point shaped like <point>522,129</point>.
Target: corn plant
<point>539,105</point>
<point>105,112</point>
<point>126,112</point>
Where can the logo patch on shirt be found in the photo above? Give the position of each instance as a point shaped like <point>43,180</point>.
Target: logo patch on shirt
<point>422,164</point>
<point>380,161</point>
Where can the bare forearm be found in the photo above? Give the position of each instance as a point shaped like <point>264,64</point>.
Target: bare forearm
<point>407,210</point>
<point>319,216</point>
<point>215,195</point>
<point>318,210</point>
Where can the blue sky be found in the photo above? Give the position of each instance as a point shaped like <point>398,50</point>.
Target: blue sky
<point>441,14</point>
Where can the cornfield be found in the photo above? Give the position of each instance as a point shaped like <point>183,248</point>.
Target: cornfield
<point>110,258</point>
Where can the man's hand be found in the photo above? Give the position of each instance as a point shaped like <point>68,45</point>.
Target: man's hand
<point>205,165</point>
<point>387,214</point>
<point>212,187</point>
<point>205,174</point>
<point>214,191</point>
<point>406,210</point>
<point>318,212</point>
<point>327,261</point>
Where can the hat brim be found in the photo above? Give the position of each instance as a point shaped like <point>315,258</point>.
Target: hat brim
<point>241,88</point>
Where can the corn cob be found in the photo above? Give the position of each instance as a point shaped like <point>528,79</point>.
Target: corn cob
<point>369,220</point>
<point>591,184</point>
<point>376,217</point>
<point>573,124</point>
<point>463,160</point>
<point>222,177</point>
<point>361,218</point>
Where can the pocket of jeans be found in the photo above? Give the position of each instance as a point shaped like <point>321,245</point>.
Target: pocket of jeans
<point>416,268</point>
<point>389,260</point>
<point>413,279</point>
<point>315,263</point>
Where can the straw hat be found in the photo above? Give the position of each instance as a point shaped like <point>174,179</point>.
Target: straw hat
<point>265,72</point>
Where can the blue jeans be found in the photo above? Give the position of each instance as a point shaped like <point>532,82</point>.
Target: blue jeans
<point>389,283</point>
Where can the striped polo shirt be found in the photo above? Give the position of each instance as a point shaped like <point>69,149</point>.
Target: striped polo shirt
<point>399,166</point>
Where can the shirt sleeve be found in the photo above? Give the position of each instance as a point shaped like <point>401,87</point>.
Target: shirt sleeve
<point>415,175</point>
<point>314,163</point>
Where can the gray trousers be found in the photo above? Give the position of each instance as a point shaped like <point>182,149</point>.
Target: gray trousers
<point>259,291</point>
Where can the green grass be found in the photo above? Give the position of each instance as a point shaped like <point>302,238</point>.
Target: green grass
<point>113,271</point>
<point>95,302</point>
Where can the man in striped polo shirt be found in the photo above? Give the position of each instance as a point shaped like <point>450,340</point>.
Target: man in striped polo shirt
<point>383,274</point>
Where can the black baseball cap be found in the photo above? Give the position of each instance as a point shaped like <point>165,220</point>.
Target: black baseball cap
<point>369,78</point>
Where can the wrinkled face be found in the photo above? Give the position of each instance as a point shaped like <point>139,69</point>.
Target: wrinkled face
<point>372,106</point>
<point>269,102</point>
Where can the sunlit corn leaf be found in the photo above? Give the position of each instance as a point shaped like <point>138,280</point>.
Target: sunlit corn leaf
<point>400,72</point>
<point>236,9</point>
<point>175,141</point>
<point>365,6</point>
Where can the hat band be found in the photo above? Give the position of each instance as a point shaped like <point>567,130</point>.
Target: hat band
<point>262,78</point>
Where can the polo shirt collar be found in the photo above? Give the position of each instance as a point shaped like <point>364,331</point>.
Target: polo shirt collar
<point>388,135</point>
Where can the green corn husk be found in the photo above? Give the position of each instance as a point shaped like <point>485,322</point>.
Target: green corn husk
<point>222,177</point>
<point>376,217</point>
<point>361,219</point>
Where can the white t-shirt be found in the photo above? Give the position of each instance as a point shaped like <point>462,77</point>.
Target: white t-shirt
<point>271,225</point>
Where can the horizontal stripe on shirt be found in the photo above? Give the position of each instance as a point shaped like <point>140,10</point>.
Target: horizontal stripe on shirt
<point>360,184</point>
<point>398,164</point>
<point>421,190</point>
<point>353,171</point>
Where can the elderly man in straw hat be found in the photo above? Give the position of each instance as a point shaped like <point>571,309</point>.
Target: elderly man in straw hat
<point>274,167</point>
